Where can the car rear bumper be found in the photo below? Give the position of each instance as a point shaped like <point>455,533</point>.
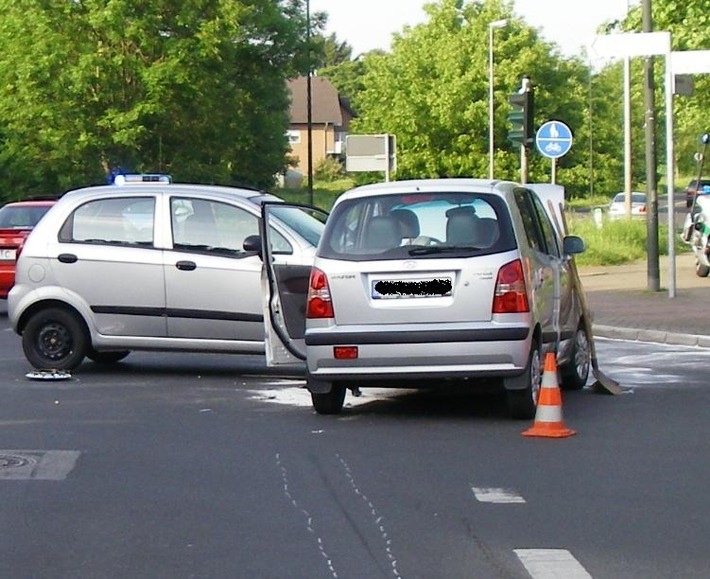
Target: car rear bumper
<point>419,355</point>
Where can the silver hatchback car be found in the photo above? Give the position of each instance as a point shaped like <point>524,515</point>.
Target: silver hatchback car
<point>150,265</point>
<point>420,283</point>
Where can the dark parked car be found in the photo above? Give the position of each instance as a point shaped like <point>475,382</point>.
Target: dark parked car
<point>695,187</point>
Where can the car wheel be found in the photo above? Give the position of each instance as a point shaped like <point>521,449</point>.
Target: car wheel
<point>576,371</point>
<point>329,402</point>
<point>54,339</point>
<point>106,357</point>
<point>522,391</point>
<point>701,270</point>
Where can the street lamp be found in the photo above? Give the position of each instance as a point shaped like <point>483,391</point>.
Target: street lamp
<point>491,26</point>
<point>309,103</point>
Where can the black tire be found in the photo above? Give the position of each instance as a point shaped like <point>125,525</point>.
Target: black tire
<point>522,391</point>
<point>701,270</point>
<point>330,402</point>
<point>54,339</point>
<point>106,357</point>
<point>576,371</point>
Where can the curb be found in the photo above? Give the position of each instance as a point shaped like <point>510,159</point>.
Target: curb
<point>655,336</point>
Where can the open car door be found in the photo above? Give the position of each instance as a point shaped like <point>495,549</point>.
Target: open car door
<point>284,287</point>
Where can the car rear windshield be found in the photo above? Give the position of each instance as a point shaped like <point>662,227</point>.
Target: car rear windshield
<point>427,225</point>
<point>21,216</point>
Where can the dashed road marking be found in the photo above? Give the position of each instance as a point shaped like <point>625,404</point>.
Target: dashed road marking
<point>551,564</point>
<point>496,495</point>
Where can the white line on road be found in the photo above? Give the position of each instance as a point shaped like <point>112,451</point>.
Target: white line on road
<point>551,564</point>
<point>494,495</point>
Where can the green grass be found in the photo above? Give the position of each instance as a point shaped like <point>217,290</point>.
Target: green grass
<point>616,242</point>
<point>324,193</point>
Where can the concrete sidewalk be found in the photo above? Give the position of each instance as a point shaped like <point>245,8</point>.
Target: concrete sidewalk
<point>623,307</point>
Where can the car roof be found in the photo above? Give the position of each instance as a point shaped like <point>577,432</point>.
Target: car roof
<point>32,203</point>
<point>138,190</point>
<point>456,184</point>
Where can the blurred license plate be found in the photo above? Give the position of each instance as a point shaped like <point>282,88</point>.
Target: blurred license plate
<point>7,255</point>
<point>411,288</point>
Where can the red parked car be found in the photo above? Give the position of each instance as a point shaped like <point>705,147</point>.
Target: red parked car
<point>17,219</point>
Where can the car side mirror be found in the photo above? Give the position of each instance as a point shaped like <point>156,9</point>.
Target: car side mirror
<point>252,243</point>
<point>571,245</point>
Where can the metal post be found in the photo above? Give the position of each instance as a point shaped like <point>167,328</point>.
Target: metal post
<point>652,268</point>
<point>670,175</point>
<point>627,136</point>
<point>309,103</point>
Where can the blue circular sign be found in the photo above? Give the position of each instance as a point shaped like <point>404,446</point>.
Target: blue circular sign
<point>553,139</point>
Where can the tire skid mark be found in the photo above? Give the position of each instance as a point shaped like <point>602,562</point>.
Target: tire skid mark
<point>375,515</point>
<point>306,515</point>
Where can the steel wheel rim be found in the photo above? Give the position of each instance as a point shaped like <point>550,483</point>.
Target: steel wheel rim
<point>581,354</point>
<point>535,375</point>
<point>54,341</point>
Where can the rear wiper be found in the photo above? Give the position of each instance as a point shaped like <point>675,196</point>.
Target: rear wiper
<point>431,249</point>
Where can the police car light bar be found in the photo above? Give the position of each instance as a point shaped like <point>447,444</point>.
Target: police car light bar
<point>129,179</point>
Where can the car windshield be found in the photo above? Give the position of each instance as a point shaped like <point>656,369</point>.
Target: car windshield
<point>21,216</point>
<point>302,221</point>
<point>439,224</point>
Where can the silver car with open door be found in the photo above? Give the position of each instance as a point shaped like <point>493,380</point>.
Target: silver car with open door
<point>426,282</point>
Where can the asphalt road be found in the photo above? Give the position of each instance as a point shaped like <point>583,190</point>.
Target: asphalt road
<point>203,466</point>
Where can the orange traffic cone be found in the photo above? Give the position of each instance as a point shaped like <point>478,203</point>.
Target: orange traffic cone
<point>548,416</point>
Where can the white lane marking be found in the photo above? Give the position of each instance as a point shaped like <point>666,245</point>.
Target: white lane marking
<point>307,516</point>
<point>551,564</point>
<point>375,515</point>
<point>495,495</point>
<point>37,464</point>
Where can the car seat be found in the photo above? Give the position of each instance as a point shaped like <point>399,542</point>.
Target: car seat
<point>382,232</point>
<point>409,223</point>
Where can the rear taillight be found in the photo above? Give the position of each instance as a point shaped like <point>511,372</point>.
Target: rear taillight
<point>319,303</point>
<point>18,251</point>
<point>511,296</point>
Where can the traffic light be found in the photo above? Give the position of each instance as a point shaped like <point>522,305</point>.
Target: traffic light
<point>520,117</point>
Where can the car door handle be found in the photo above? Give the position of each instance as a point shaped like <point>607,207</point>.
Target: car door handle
<point>186,265</point>
<point>67,258</point>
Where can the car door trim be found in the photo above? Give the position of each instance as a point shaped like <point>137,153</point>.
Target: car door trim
<point>178,313</point>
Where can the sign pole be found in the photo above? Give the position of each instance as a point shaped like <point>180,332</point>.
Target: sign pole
<point>554,171</point>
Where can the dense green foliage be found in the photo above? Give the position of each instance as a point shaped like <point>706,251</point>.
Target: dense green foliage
<point>431,91</point>
<point>195,88</point>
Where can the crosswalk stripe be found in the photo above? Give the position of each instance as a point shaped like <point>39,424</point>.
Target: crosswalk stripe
<point>551,564</point>
<point>496,495</point>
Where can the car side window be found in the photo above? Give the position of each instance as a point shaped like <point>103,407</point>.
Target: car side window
<point>529,216</point>
<point>214,227</point>
<point>115,221</point>
<point>548,230</point>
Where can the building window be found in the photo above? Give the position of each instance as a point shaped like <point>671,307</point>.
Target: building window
<point>294,137</point>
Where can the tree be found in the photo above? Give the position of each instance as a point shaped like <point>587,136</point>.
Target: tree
<point>194,88</point>
<point>432,91</point>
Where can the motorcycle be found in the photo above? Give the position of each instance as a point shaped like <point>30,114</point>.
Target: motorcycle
<point>696,227</point>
